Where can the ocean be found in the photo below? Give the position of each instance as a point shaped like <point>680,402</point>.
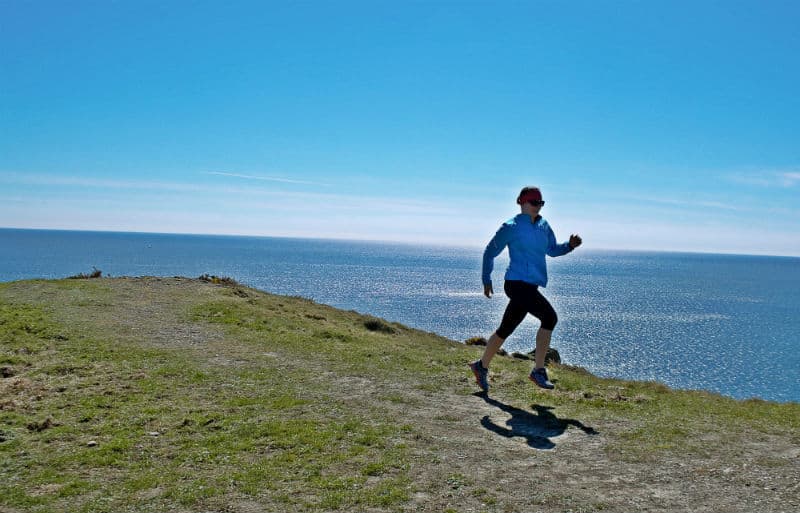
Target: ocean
<point>723,323</point>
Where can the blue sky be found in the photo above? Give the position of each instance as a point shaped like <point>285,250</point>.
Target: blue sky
<point>649,125</point>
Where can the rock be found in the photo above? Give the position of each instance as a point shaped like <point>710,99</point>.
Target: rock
<point>41,426</point>
<point>154,433</point>
<point>6,372</point>
<point>475,341</point>
<point>552,356</point>
<point>91,443</point>
<point>375,324</point>
<point>520,356</point>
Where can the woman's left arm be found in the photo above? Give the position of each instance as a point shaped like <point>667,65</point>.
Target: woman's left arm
<point>555,249</point>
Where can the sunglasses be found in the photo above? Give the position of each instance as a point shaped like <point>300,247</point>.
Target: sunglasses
<point>536,203</point>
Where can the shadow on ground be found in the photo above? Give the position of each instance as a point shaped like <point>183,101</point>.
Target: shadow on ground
<point>537,428</point>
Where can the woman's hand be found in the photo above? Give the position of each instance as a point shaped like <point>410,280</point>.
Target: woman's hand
<point>575,241</point>
<point>487,290</point>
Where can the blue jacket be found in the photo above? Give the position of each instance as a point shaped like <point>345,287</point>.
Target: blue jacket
<point>528,242</point>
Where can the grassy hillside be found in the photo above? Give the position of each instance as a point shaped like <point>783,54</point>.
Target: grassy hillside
<point>150,394</point>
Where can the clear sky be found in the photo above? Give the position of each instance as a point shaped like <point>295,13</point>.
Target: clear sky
<point>664,125</point>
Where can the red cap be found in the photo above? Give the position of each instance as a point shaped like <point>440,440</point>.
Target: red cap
<point>529,194</point>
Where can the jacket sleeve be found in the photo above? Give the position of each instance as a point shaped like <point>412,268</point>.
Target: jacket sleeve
<point>553,248</point>
<point>494,248</point>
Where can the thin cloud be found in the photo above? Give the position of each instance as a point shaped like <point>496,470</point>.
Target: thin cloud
<point>717,205</point>
<point>705,204</point>
<point>768,179</point>
<point>265,198</point>
<point>78,181</point>
<point>85,182</point>
<point>790,179</point>
<point>267,178</point>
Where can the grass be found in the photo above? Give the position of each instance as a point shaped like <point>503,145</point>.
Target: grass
<point>165,421</point>
<point>287,403</point>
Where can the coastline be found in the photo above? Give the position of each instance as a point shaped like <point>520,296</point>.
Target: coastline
<point>684,320</point>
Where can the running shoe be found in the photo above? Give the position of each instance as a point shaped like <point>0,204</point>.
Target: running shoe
<point>481,374</point>
<point>539,376</point>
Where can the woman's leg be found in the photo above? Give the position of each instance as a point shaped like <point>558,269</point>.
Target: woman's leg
<point>492,346</point>
<point>541,308</point>
<point>542,345</point>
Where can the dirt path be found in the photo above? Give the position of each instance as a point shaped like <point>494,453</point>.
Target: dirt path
<point>527,459</point>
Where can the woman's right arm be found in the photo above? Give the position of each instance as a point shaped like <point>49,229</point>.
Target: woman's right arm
<point>494,248</point>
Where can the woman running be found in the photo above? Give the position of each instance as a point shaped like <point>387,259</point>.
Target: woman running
<point>529,238</point>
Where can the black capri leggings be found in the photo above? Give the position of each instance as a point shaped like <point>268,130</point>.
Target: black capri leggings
<point>525,299</point>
